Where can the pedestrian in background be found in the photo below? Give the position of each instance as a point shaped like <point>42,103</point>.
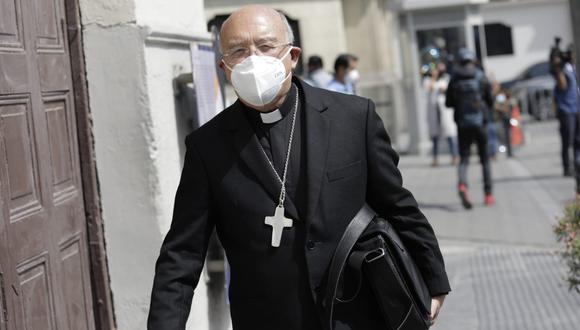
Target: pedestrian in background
<point>492,144</point>
<point>469,94</point>
<point>344,74</point>
<point>317,76</point>
<point>353,75</point>
<point>502,109</point>
<point>439,116</point>
<point>566,102</point>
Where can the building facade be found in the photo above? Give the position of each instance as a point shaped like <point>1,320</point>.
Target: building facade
<point>91,130</point>
<point>508,36</point>
<point>92,146</point>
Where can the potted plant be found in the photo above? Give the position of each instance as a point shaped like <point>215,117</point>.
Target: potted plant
<point>568,232</point>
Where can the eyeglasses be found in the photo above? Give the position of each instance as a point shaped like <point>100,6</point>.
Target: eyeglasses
<point>238,54</point>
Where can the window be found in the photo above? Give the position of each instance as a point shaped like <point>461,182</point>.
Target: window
<point>498,39</point>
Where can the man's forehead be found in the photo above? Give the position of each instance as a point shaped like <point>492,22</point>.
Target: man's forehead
<point>252,26</point>
<point>257,38</point>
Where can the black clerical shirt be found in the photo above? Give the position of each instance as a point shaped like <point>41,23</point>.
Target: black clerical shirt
<point>274,139</point>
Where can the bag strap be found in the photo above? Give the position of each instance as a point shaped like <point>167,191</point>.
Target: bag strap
<point>352,233</point>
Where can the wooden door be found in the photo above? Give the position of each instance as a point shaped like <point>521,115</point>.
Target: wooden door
<point>44,261</point>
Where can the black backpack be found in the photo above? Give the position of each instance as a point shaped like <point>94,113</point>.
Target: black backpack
<point>470,106</point>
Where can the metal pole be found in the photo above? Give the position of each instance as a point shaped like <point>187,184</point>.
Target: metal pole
<point>575,13</point>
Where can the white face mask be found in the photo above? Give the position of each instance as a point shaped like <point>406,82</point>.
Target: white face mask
<point>353,76</point>
<point>258,79</point>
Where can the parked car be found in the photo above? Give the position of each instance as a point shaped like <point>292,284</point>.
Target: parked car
<point>534,89</point>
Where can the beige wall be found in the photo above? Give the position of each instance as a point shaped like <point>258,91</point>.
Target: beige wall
<point>370,35</point>
<point>321,23</point>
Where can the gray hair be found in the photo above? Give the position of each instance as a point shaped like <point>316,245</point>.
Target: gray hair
<point>289,32</point>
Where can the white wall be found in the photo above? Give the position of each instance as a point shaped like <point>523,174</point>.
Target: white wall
<point>430,4</point>
<point>137,145</point>
<point>185,16</point>
<point>321,23</point>
<point>163,63</point>
<point>534,25</point>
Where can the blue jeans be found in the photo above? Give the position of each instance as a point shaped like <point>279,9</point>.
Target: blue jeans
<point>491,139</point>
<point>451,142</point>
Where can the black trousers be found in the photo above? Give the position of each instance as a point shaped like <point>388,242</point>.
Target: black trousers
<point>569,133</point>
<point>507,127</point>
<point>467,136</point>
<point>570,136</point>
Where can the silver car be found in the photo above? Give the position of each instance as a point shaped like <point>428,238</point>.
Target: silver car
<point>534,89</point>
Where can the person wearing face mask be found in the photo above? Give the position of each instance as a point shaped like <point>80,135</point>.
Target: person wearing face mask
<point>317,76</point>
<point>353,74</point>
<point>345,74</point>
<point>279,174</point>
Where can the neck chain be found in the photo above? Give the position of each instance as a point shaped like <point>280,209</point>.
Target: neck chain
<point>283,179</point>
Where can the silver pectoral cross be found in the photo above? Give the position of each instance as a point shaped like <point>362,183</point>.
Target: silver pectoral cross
<point>278,222</point>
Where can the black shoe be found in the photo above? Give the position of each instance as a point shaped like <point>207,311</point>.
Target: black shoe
<point>464,197</point>
<point>568,172</point>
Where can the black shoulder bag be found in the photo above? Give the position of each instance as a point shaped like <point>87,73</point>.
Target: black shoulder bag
<point>371,249</point>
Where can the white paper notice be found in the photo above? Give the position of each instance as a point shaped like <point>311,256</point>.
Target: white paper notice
<point>205,80</point>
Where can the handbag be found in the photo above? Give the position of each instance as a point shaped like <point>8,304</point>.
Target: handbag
<point>371,250</point>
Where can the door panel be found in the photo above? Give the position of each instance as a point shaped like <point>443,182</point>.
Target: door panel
<point>11,31</point>
<point>47,26</point>
<point>20,160</point>
<point>61,147</point>
<point>74,283</point>
<point>45,262</point>
<point>37,293</point>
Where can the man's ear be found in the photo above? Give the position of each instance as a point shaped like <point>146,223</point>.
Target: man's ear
<point>221,65</point>
<point>295,55</point>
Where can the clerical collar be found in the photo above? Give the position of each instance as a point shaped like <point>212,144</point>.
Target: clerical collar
<point>271,117</point>
<point>275,115</point>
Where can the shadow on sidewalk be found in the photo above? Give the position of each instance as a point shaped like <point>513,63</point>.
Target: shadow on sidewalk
<point>531,178</point>
<point>447,207</point>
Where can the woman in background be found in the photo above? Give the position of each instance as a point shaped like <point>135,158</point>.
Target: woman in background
<point>440,117</point>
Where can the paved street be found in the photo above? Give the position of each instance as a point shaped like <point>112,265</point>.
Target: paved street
<point>501,260</point>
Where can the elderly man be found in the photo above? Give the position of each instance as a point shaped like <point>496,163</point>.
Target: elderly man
<point>280,174</point>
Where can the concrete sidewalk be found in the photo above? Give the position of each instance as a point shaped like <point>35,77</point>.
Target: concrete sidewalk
<point>501,260</point>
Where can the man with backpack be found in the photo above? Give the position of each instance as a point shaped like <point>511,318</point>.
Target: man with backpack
<point>469,94</point>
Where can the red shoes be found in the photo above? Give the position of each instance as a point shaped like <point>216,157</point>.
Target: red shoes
<point>489,200</point>
<point>466,202</point>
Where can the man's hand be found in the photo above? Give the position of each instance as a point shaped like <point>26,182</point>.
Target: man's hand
<point>436,303</point>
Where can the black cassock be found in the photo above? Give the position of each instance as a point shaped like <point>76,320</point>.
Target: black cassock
<point>341,157</point>
<point>296,303</point>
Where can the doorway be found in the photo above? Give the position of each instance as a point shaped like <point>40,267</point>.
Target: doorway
<point>45,261</point>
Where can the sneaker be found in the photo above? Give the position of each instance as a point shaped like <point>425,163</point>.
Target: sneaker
<point>489,200</point>
<point>465,201</point>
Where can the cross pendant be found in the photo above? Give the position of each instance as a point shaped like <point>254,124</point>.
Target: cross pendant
<point>278,222</point>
